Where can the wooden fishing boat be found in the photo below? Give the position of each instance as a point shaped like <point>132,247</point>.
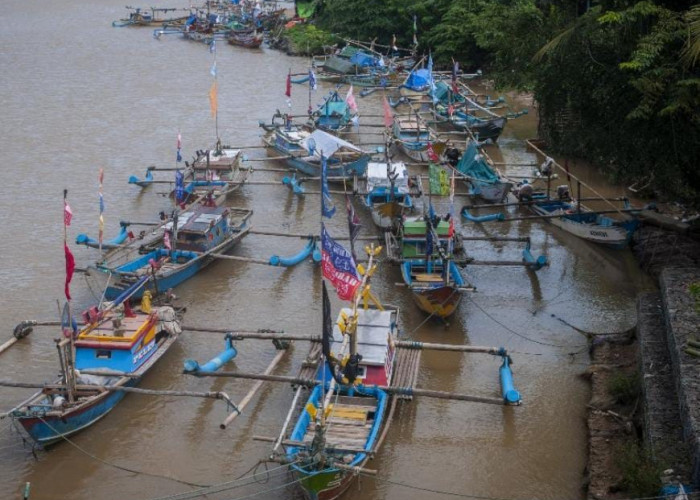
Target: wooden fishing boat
<point>151,16</point>
<point>586,224</point>
<point>200,232</point>
<point>248,38</point>
<point>388,193</point>
<point>334,114</point>
<point>115,340</point>
<point>302,150</point>
<point>342,421</point>
<point>465,114</point>
<point>414,138</point>
<point>482,179</point>
<point>424,249</point>
<point>212,177</point>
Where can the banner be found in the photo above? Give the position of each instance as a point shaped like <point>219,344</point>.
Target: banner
<point>338,266</point>
<point>439,181</point>
<point>70,267</point>
<point>213,99</point>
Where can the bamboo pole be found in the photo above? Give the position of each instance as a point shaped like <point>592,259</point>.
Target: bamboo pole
<point>240,258</point>
<point>622,211</point>
<point>244,402</point>
<point>8,344</point>
<point>410,344</point>
<point>301,444</point>
<point>111,388</point>
<point>391,390</point>
<point>530,203</point>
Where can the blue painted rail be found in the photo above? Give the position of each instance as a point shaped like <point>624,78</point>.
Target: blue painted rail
<point>230,352</point>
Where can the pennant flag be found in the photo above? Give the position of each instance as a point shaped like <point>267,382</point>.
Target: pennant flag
<point>213,99</point>
<point>338,266</point>
<point>312,80</point>
<point>354,224</point>
<point>393,43</point>
<point>70,267</point>
<point>67,213</point>
<point>179,186</point>
<point>356,123</point>
<point>431,82</point>
<point>288,91</point>
<point>327,208</point>
<point>431,153</point>
<point>327,334</point>
<point>68,324</point>
<point>415,23</point>
<point>102,203</point>
<point>213,70</point>
<point>388,116</point>
<point>439,182</point>
<point>166,240</point>
<point>455,71</point>
<point>178,158</point>
<point>350,100</point>
<point>212,46</point>
<point>101,226</point>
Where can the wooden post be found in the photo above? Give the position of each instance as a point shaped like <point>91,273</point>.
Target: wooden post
<point>244,402</point>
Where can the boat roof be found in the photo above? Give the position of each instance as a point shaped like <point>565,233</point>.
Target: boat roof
<point>374,329</point>
<point>377,175</point>
<point>327,144</point>
<point>223,158</point>
<point>199,220</point>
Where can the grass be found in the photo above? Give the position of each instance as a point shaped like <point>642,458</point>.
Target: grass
<point>641,476</point>
<point>624,387</point>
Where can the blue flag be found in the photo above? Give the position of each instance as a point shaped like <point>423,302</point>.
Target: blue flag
<point>179,155</point>
<point>179,185</point>
<point>327,208</point>
<point>312,80</point>
<point>212,46</point>
<point>102,203</point>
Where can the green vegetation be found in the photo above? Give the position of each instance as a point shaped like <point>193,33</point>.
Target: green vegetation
<point>624,387</point>
<point>641,477</point>
<point>694,291</point>
<point>617,82</point>
<point>307,39</point>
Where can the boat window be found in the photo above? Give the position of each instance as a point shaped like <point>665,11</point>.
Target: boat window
<point>103,354</point>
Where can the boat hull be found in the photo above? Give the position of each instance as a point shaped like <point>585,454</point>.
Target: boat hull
<point>440,301</point>
<point>48,430</point>
<point>346,170</point>
<point>490,192</point>
<point>326,485</point>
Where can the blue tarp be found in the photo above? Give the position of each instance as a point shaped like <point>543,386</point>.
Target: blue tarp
<point>361,59</point>
<point>418,80</point>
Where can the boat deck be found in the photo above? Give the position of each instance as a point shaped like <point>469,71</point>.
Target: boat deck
<point>348,424</point>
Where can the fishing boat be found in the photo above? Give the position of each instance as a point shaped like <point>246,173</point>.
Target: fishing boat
<point>334,114</point>
<point>585,223</point>
<point>152,16</point>
<point>424,249</point>
<point>482,178</point>
<point>117,339</point>
<point>249,38</point>
<point>415,139</point>
<point>212,177</point>
<point>191,241</point>
<point>304,150</point>
<point>388,193</point>
<point>463,113</point>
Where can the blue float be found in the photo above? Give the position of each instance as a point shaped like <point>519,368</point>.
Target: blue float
<point>311,248</point>
<point>510,395</point>
<point>483,218</point>
<point>147,181</point>
<point>84,239</point>
<point>294,184</point>
<point>533,263</point>
<point>191,366</point>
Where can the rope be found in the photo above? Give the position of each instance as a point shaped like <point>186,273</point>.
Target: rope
<point>587,333</point>
<point>126,469</point>
<point>585,346</point>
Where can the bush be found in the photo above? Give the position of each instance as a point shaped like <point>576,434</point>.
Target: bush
<point>307,39</point>
<point>641,477</point>
<point>624,387</point>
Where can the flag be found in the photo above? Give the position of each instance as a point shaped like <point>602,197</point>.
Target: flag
<point>212,47</point>
<point>67,213</point>
<point>388,116</point>
<point>350,100</point>
<point>415,23</point>
<point>431,153</point>
<point>338,266</point>
<point>439,184</point>
<point>354,224</point>
<point>327,208</point>
<point>101,227</point>
<point>179,186</point>
<point>213,70</point>
<point>393,43</point>
<point>166,240</point>
<point>450,110</point>
<point>102,202</point>
<point>327,334</point>
<point>431,82</point>
<point>312,80</point>
<point>288,91</point>
<point>70,267</point>
<point>178,158</point>
<point>356,123</point>
<point>68,324</point>
<point>455,71</point>
<point>213,99</point>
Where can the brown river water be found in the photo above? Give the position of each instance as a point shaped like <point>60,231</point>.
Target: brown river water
<point>78,95</point>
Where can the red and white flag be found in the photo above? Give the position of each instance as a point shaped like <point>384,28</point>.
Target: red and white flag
<point>388,116</point>
<point>70,267</point>
<point>288,90</point>
<point>350,100</point>
<point>166,240</point>
<point>431,153</point>
<point>179,140</point>
<point>67,214</point>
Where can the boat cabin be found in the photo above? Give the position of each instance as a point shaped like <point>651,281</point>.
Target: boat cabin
<point>121,340</point>
<point>413,241</point>
<point>204,228</point>
<point>379,186</point>
<point>213,165</point>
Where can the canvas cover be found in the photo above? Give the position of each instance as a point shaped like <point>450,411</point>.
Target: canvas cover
<point>325,143</point>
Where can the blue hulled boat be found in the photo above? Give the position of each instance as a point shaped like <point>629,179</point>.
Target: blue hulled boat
<point>481,178</point>
<point>115,341</point>
<point>303,151</point>
<point>334,114</point>
<point>194,235</point>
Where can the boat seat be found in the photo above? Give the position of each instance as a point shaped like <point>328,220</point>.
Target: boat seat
<point>427,277</point>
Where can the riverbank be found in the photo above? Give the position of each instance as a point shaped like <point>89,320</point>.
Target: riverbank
<point>644,414</point>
